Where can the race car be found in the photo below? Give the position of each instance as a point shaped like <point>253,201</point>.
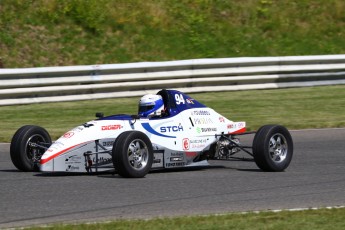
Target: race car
<point>171,130</point>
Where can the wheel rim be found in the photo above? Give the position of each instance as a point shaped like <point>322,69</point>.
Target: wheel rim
<point>137,154</point>
<point>278,148</point>
<point>33,153</point>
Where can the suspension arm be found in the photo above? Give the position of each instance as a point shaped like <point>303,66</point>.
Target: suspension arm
<point>243,148</point>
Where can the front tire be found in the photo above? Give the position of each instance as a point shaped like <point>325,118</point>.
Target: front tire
<point>24,155</point>
<point>132,154</point>
<point>272,148</point>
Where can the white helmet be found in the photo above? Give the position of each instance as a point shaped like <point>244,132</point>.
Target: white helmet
<point>150,105</point>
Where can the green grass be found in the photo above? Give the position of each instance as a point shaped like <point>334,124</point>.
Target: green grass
<point>37,33</point>
<point>323,219</point>
<point>296,108</point>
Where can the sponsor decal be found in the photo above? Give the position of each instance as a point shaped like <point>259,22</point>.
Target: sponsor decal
<point>176,158</point>
<point>107,143</point>
<point>202,121</point>
<point>176,154</point>
<point>68,135</point>
<point>221,119</point>
<point>238,125</point>
<point>200,113</point>
<point>198,146</point>
<point>169,129</point>
<point>75,159</point>
<point>205,130</point>
<point>175,164</point>
<point>101,161</point>
<point>198,143</point>
<point>241,125</point>
<point>193,144</point>
<point>156,161</point>
<point>111,127</point>
<point>190,100</point>
<point>185,144</point>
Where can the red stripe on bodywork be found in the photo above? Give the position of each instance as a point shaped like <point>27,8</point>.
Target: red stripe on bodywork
<point>191,154</point>
<point>43,161</point>
<point>238,131</point>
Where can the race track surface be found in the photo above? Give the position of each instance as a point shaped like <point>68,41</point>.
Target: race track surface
<point>315,178</point>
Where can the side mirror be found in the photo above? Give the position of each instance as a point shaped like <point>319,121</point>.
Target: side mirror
<point>99,115</point>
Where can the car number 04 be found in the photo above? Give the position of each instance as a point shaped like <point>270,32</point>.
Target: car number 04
<point>179,99</point>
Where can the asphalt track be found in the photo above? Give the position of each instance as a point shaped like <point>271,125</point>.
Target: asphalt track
<point>315,178</point>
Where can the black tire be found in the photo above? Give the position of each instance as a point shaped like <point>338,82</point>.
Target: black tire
<point>132,154</point>
<point>22,154</point>
<point>272,148</point>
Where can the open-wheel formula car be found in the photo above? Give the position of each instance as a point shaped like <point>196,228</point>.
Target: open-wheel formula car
<point>171,130</point>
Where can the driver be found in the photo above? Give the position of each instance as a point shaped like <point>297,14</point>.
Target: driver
<point>151,105</point>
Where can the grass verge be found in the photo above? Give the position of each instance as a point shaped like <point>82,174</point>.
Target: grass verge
<point>322,219</point>
<point>296,108</point>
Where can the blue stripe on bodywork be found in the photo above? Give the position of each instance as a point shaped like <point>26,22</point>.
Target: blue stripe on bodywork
<point>117,117</point>
<point>149,129</point>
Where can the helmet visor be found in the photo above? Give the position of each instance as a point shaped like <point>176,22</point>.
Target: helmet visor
<point>145,108</point>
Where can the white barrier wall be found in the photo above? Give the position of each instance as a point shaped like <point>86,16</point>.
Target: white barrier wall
<point>70,83</point>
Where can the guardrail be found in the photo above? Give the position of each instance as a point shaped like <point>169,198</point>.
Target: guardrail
<point>70,83</point>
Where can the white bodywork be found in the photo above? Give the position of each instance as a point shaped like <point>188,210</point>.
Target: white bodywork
<point>177,140</point>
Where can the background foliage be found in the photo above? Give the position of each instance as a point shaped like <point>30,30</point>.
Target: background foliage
<point>37,33</point>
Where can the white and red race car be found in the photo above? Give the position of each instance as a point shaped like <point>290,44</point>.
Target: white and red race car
<point>188,134</point>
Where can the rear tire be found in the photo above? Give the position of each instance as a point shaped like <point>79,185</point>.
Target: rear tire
<point>272,148</point>
<point>132,154</point>
<point>23,155</point>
